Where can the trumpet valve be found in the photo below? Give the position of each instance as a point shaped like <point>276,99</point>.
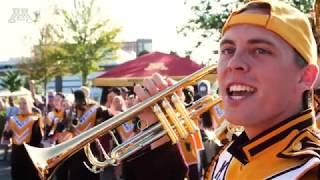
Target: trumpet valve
<point>165,123</point>
<point>184,114</point>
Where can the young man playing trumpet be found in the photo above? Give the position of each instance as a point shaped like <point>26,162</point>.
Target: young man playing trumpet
<point>266,72</point>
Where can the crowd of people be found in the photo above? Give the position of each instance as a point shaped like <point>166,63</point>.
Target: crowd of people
<point>266,74</point>
<point>43,124</point>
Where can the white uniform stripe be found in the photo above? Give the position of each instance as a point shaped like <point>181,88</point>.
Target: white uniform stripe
<point>298,171</point>
<point>19,123</point>
<point>20,139</point>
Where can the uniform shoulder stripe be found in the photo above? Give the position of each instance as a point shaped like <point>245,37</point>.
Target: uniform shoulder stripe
<point>304,145</point>
<point>298,171</point>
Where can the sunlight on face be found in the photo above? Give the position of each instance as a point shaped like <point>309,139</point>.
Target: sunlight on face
<point>58,102</point>
<point>25,105</point>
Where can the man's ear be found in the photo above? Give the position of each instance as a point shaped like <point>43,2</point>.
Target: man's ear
<point>309,76</point>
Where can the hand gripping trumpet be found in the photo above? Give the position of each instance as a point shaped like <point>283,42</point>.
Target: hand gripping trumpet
<point>174,121</point>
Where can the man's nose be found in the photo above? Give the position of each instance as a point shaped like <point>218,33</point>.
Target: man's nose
<point>239,61</point>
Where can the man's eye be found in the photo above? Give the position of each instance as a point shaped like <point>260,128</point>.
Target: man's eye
<point>227,51</point>
<point>261,51</point>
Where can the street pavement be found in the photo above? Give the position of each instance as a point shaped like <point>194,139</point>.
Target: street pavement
<point>5,168</point>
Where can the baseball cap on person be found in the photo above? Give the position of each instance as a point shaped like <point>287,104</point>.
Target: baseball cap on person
<point>286,21</point>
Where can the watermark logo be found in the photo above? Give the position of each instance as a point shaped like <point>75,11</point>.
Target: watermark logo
<point>20,15</point>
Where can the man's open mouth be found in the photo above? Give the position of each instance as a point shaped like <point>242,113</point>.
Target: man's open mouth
<point>240,91</point>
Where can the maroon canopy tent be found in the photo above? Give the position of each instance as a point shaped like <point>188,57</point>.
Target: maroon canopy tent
<point>131,72</point>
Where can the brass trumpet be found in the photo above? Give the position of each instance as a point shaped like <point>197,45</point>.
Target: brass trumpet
<point>175,122</point>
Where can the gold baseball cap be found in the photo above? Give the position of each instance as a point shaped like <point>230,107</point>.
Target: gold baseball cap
<point>286,21</point>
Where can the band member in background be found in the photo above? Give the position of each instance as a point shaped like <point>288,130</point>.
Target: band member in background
<point>54,122</point>
<point>13,109</point>
<point>161,160</point>
<point>119,105</point>
<point>86,91</point>
<point>125,93</point>
<point>122,132</point>
<point>42,103</point>
<point>57,131</point>
<point>50,101</point>
<point>192,147</point>
<point>111,94</point>
<point>86,116</point>
<point>23,128</point>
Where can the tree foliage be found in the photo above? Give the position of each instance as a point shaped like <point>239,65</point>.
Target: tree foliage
<point>12,80</point>
<point>208,17</point>
<point>47,60</point>
<point>85,40</point>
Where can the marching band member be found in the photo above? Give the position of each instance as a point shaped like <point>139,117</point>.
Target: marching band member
<point>266,72</point>
<point>54,122</point>
<point>57,131</point>
<point>118,105</point>
<point>87,114</point>
<point>23,128</point>
<point>266,80</point>
<point>192,147</point>
<point>161,160</point>
<point>111,94</point>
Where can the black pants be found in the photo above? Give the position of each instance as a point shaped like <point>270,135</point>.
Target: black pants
<point>22,167</point>
<point>78,171</point>
<point>194,172</point>
<point>162,163</point>
<point>62,171</point>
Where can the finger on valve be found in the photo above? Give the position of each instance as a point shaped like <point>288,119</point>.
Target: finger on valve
<point>150,86</point>
<point>179,92</point>
<point>140,92</point>
<point>160,81</point>
<point>147,115</point>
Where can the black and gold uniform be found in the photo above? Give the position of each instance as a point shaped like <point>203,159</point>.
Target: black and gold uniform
<point>87,116</point>
<point>56,123</point>
<point>23,128</point>
<point>164,162</point>
<point>53,121</point>
<point>289,150</point>
<point>190,149</point>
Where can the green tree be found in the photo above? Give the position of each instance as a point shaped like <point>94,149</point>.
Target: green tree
<point>12,81</point>
<point>86,40</point>
<point>208,17</point>
<point>47,60</point>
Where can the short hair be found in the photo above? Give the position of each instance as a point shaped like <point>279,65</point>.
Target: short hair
<point>124,90</point>
<point>79,96</point>
<point>115,90</point>
<point>300,61</point>
<point>60,94</point>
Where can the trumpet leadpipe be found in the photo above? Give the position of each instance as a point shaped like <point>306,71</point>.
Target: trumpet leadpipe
<point>45,159</point>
